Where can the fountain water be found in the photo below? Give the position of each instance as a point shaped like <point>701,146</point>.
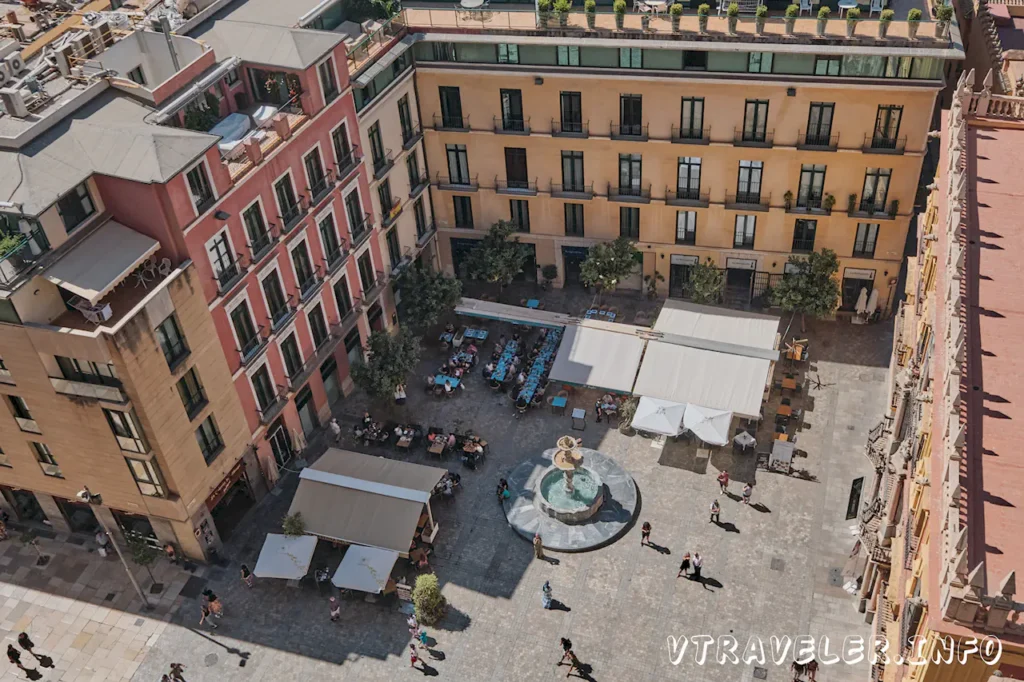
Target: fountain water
<point>569,491</point>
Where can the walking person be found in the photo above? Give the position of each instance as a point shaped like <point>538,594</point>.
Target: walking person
<point>723,481</point>
<point>716,510</point>
<point>566,649</point>
<point>247,577</point>
<point>177,672</point>
<point>206,614</point>
<point>335,430</point>
<point>335,607</point>
<point>684,567</point>
<point>748,490</point>
<point>545,594</point>
<point>698,563</point>
<point>645,534</point>
<point>798,670</point>
<point>216,607</point>
<point>538,546</point>
<point>574,664</point>
<point>14,656</point>
<point>25,642</point>
<point>413,656</point>
<point>812,669</point>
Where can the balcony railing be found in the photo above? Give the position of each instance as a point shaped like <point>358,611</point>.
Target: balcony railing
<point>803,245</point>
<point>230,274</point>
<point>686,196</point>
<point>279,318</point>
<point>389,218</point>
<point>423,235</point>
<point>691,135</point>
<point>82,389</point>
<point>310,285</point>
<point>350,316</point>
<point>382,164</point>
<point>362,230</point>
<point>411,135</point>
<point>881,144</point>
<point>570,128</point>
<point>753,138</point>
<point>251,347</point>
<point>751,201</point>
<point>824,141</point>
<point>459,123</point>
<point>19,253</point>
<point>348,162</point>
<point>372,289</point>
<point>274,407</point>
<point>526,187</point>
<point>511,126</point>
<point>417,185</point>
<point>320,189</point>
<point>628,131</point>
<point>629,193</point>
<point>574,191</point>
<point>810,203</point>
<point>291,215</point>
<point>463,184</point>
<point>334,258</point>
<point>261,245</point>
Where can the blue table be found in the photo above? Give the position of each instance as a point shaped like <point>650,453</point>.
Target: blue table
<point>480,334</point>
<point>446,337</point>
<point>559,404</point>
<point>440,379</point>
<point>533,303</point>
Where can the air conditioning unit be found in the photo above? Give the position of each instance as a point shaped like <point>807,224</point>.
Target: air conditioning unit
<point>84,47</point>
<point>65,58</point>
<point>14,102</point>
<point>101,34</point>
<point>15,63</point>
<point>8,46</point>
<point>5,74</point>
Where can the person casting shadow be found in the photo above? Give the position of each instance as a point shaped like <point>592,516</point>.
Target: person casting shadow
<point>26,643</point>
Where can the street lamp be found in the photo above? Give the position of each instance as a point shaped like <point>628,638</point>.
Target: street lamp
<point>91,498</point>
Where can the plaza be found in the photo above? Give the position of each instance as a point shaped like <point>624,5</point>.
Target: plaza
<point>773,568</point>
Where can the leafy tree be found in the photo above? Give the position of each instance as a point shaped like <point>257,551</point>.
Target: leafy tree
<point>428,600</point>
<point>390,359</point>
<point>428,296</point>
<point>607,264</point>
<point>499,256</point>
<point>142,553</point>
<point>706,283</point>
<point>293,525</point>
<point>812,288</point>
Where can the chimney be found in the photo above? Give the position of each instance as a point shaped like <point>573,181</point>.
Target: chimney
<point>281,127</point>
<point>253,150</point>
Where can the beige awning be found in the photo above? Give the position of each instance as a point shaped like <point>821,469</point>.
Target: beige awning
<point>364,500</point>
<point>511,313</point>
<point>101,261</point>
<point>599,357</point>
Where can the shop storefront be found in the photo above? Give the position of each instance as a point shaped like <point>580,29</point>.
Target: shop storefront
<point>26,506</point>
<point>679,270</point>
<point>855,279</point>
<point>79,515</point>
<point>572,262</point>
<point>230,500</point>
<point>329,375</point>
<point>740,273</point>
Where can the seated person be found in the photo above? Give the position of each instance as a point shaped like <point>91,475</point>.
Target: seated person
<point>521,379</point>
<point>446,488</point>
<point>515,337</point>
<point>489,368</point>
<point>367,420</point>
<point>451,440</point>
<point>400,394</point>
<point>472,349</point>
<point>503,492</point>
<point>449,328</point>
<point>447,386</point>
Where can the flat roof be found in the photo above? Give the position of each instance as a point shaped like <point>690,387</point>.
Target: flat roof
<point>269,44</point>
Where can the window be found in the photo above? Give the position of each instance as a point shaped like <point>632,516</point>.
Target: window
<point>232,77</point>
<point>458,164</point>
<point>686,227</point>
<point>463,212</point>
<point>444,52</point>
<point>568,55</point>
<point>147,477</point>
<point>864,243</point>
<point>695,61</point>
<point>812,180</point>
<point>172,343</point>
<point>876,189</point>
<point>405,119</point>
<point>516,173</point>
<point>22,415</point>
<point>755,120</point>
<point>574,220</point>
<point>394,248</point>
<point>572,112</point>
<point>519,209</point>
<point>748,183</point>
<point>512,111</point>
<point>277,304</point>
<point>342,296</point>
<point>222,260</point>
<point>317,326</point>
<point>46,460</point>
<point>898,67</point>
<point>691,118</point>
<point>421,218</point>
<point>819,123</point>
<point>75,206</point>
<point>137,76</point>
<point>286,201</point>
<point>631,115</point>
<point>87,371</point>
<point>803,235</point>
<point>342,146</point>
<point>572,172</point>
<point>887,126</point>
<point>256,229</point>
<point>827,66</point>
<point>367,278</point>
<point>292,358</point>
<point>329,239</point>
<point>412,165</point>
<point>318,183</point>
<point>305,275</point>
<point>191,392</point>
<point>127,431</point>
<point>451,107</point>
<point>377,152</point>
<point>199,187</point>
<point>743,236</point>
<point>688,178</point>
<point>387,202</point>
<point>356,218</point>
<point>631,58</point>
<point>759,62</point>
<point>241,322</point>
<point>508,54</point>
<point>630,171</point>
<point>328,81</point>
<point>263,389</point>
<point>629,222</point>
<point>209,440</point>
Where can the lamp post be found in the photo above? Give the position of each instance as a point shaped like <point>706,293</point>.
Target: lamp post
<point>92,498</point>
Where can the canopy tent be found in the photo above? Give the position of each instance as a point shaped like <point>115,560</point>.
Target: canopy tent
<point>598,357</point>
<point>364,500</point>
<point>710,425</point>
<point>658,416</point>
<point>511,313</point>
<point>285,557</point>
<point>366,569</point>
<point>101,261</point>
<point>732,327</point>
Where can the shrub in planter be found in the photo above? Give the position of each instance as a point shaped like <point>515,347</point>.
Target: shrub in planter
<point>590,7</point>
<point>733,14</point>
<point>675,11</point>
<point>544,9</point>
<point>823,13</point>
<point>792,12</point>
<point>913,22</point>
<point>428,600</point>
<point>702,16</point>
<point>851,203</point>
<point>828,202</point>
<point>760,16</point>
<point>645,21</point>
<point>943,15</point>
<point>626,413</point>
<point>852,17</point>
<point>883,22</point>
<point>787,200</point>
<point>562,8</point>
<point>620,13</point>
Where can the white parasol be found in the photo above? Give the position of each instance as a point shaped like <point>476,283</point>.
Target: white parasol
<point>710,425</point>
<point>862,301</point>
<point>658,416</point>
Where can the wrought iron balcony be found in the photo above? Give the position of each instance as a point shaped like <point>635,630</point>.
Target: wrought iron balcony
<point>348,162</point>
<point>691,135</point>
<point>629,131</point>
<point>458,184</point>
<point>685,196</point>
<point>517,187</point>
<point>273,408</point>
<point>748,201</point>
<point>570,128</point>
<point>382,164</point>
<point>334,258</point>
<point>753,138</point>
<point>511,126</point>
<point>411,135</point>
<point>230,273</point>
<point>458,123</point>
<point>423,235</point>
<point>418,184</point>
<point>320,189</point>
<point>310,285</point>
<point>577,190</point>
<point>883,144</point>
<point>362,230</point>
<point>252,346</point>
<point>822,141</point>
<point>282,316</point>
<point>629,193</point>
<point>372,289</point>
<point>262,243</point>
<point>291,216</point>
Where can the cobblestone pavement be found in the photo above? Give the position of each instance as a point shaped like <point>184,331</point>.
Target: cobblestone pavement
<point>771,572</point>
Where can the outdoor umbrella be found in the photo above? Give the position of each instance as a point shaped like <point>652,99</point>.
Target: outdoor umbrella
<point>285,557</point>
<point>862,301</point>
<point>872,303</point>
<point>658,416</point>
<point>710,425</point>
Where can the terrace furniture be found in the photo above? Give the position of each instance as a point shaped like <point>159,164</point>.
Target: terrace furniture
<point>876,6</point>
<point>558,404</point>
<point>845,5</point>
<point>579,419</point>
<point>806,6</point>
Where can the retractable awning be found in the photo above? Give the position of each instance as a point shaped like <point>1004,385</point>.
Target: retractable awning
<point>285,557</point>
<point>101,261</point>
<point>384,62</point>
<point>366,569</point>
<point>598,357</point>
<point>512,313</point>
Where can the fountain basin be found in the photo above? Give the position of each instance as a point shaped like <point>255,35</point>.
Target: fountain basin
<point>575,506</point>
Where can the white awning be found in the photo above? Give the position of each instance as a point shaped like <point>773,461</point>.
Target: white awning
<point>101,261</point>
<point>598,358</point>
<point>512,313</point>
<point>285,557</point>
<point>710,425</point>
<point>658,416</point>
<point>366,569</point>
<point>718,324</point>
<point>387,60</point>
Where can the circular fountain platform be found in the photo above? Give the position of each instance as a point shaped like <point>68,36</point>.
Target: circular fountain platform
<point>597,511</point>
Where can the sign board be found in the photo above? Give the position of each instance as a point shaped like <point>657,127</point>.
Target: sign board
<point>222,487</point>
<point>741,264</point>
<point>680,259</point>
<point>857,273</point>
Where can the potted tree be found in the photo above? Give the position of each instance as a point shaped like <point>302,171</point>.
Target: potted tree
<point>760,15</point>
<point>823,13</point>
<point>792,12</point>
<point>620,13</point>
<point>883,22</point>
<point>733,14</point>
<point>894,208</point>
<point>943,14</point>
<point>626,413</point>
<point>645,21</point>
<point>852,17</point>
<point>544,10</point>
<point>851,203</point>
<point>828,202</point>
<point>787,199</point>
<point>652,284</point>
<point>913,22</point>
<point>702,16</point>
<point>675,11</point>
<point>590,7</point>
<point>550,274</point>
<point>562,8</point>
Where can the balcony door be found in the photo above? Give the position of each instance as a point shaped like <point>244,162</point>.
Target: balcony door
<point>887,123</point>
<point>631,114</point>
<point>748,184</point>
<point>458,164</point>
<point>819,122</point>
<point>512,110</point>
<point>515,168</point>
<point>755,120</point>
<point>572,112</point>
<point>451,107</point>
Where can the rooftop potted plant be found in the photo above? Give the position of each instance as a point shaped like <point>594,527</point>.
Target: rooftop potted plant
<point>590,7</point>
<point>823,13</point>
<point>645,21</point>
<point>702,16</point>
<point>620,13</point>
<point>675,11</point>
<point>562,8</point>
<point>760,15</point>
<point>792,12</point>
<point>883,22</point>
<point>787,200</point>
<point>851,203</point>
<point>733,14</point>
<point>852,17</point>
<point>913,21</point>
<point>829,201</point>
<point>943,14</point>
<point>544,10</point>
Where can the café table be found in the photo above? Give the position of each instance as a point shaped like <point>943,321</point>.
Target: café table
<point>786,410</point>
<point>533,303</point>
<point>745,440</point>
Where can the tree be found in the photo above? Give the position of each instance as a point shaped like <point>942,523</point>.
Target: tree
<point>428,296</point>
<point>607,264</point>
<point>142,553</point>
<point>499,256</point>
<point>811,288</point>
<point>428,600</point>
<point>706,282</point>
<point>390,359</point>
<point>293,525</point>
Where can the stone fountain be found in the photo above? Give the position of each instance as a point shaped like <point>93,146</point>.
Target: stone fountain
<point>569,491</point>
